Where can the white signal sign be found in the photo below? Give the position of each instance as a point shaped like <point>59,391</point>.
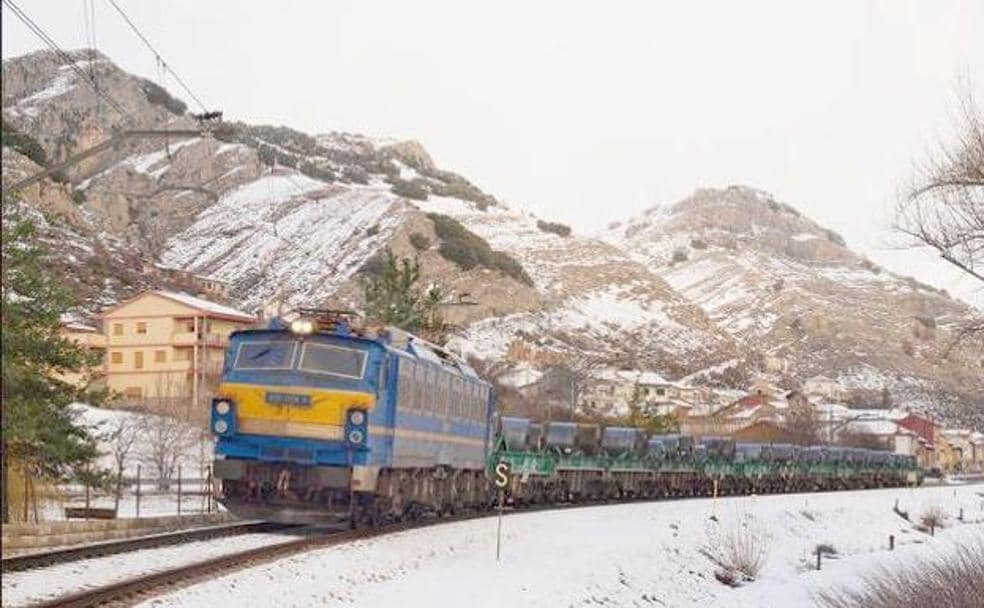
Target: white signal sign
<point>502,474</point>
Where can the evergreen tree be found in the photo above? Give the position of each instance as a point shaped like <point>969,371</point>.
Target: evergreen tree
<point>39,432</point>
<point>395,297</point>
<point>644,418</point>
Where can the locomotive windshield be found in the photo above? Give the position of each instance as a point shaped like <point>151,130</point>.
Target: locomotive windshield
<point>265,355</point>
<point>332,360</point>
<point>307,356</point>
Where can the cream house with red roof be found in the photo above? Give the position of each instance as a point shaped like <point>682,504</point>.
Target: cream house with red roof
<point>163,344</point>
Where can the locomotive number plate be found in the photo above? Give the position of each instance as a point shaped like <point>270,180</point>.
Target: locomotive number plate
<point>288,399</point>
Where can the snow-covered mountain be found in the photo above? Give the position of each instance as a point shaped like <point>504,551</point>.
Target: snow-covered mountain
<point>770,277</point>
<point>723,281</point>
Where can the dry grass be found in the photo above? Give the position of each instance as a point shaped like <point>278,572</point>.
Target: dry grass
<point>740,548</point>
<point>950,581</point>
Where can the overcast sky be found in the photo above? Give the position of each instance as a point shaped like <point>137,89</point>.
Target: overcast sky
<point>590,112</point>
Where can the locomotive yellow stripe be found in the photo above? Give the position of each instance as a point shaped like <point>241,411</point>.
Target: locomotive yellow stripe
<point>328,406</point>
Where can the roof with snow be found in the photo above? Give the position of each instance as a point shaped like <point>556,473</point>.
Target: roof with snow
<point>202,305</point>
<point>631,376</point>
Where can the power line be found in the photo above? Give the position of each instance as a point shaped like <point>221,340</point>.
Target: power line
<point>38,31</point>
<point>157,55</point>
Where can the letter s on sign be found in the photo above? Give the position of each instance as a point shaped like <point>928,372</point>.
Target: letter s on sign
<point>502,474</point>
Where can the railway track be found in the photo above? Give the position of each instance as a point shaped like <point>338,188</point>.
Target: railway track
<point>130,591</point>
<point>29,561</point>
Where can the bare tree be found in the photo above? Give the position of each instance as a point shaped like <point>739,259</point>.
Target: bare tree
<point>802,423</point>
<point>167,437</point>
<point>122,437</point>
<point>169,433</point>
<point>943,208</point>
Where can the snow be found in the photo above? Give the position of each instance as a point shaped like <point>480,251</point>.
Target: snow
<point>286,235</point>
<point>63,83</point>
<point>144,162</point>
<point>204,305</point>
<point>804,236</point>
<point>33,586</point>
<point>642,554</point>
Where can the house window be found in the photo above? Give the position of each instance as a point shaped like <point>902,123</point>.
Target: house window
<point>189,326</point>
<point>116,357</point>
<point>133,392</point>
<point>160,356</point>
<point>141,327</point>
<point>182,354</point>
<point>138,359</point>
<point>660,392</point>
<point>117,329</point>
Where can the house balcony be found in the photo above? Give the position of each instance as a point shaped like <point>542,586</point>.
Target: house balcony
<point>192,338</point>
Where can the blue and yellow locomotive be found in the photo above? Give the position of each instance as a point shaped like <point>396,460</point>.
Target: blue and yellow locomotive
<point>314,421</point>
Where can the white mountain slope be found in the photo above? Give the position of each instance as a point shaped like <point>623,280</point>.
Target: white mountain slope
<point>772,278</point>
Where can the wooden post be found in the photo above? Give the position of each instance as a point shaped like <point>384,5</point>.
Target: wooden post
<point>932,528</point>
<point>87,492</point>
<point>179,489</point>
<point>138,490</point>
<point>819,553</point>
<point>961,514</point>
<point>27,478</point>
<point>891,542</point>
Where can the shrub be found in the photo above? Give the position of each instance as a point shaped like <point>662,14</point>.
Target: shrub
<point>679,256</point>
<point>25,144</point>
<point>833,237</point>
<point>933,517</point>
<point>356,175</point>
<point>59,177</point>
<point>374,266</point>
<point>78,197</point>
<point>953,580</point>
<point>372,230</point>
<point>314,171</point>
<point>698,244</point>
<point>159,96</point>
<point>266,154</point>
<point>468,250</point>
<point>414,190</point>
<point>419,241</point>
<point>554,227</point>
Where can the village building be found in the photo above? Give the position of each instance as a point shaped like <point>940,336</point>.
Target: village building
<point>613,391</point>
<point>159,345</point>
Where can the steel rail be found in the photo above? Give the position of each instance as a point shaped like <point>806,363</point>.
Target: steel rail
<point>29,561</point>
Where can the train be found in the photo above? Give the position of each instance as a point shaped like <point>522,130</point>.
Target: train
<point>316,420</point>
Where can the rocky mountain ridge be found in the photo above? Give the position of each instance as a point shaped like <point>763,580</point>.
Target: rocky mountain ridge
<point>722,285</point>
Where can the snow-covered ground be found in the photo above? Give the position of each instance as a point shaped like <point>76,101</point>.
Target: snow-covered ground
<point>650,554</point>
<point>32,586</point>
<point>194,454</point>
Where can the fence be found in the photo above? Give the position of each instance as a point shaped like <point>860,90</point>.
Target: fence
<point>139,497</point>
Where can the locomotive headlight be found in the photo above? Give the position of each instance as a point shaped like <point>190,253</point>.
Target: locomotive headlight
<point>302,326</point>
<point>355,436</point>
<point>221,426</point>
<point>357,417</point>
<point>222,407</point>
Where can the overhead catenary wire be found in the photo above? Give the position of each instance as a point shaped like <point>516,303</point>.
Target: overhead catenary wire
<point>164,65</point>
<point>38,31</point>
